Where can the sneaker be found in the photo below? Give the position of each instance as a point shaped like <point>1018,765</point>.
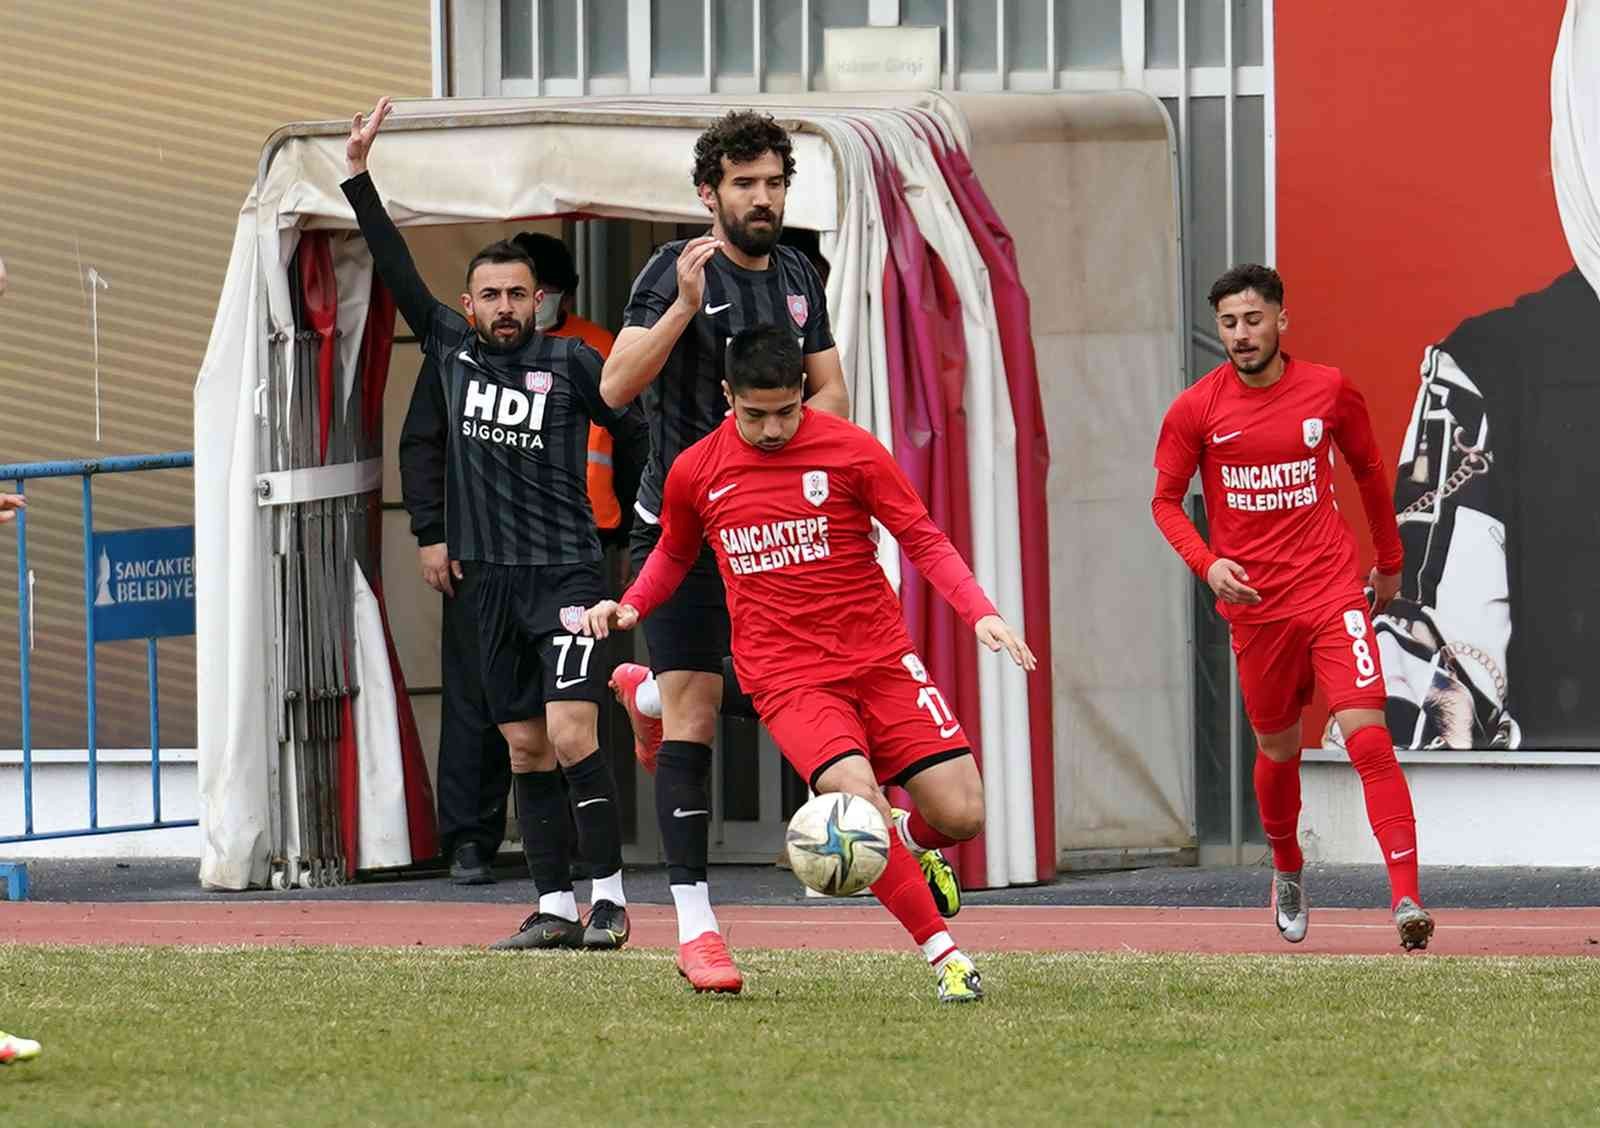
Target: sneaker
<point>706,964</point>
<point>959,981</point>
<point>13,1048</point>
<point>625,682</point>
<point>1291,912</point>
<point>467,866</point>
<point>939,873</point>
<point>1414,923</point>
<point>542,930</point>
<point>607,926</point>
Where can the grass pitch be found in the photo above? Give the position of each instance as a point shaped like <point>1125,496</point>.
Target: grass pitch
<point>189,1037</point>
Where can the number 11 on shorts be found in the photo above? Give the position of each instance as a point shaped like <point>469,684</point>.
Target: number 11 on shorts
<point>929,698</point>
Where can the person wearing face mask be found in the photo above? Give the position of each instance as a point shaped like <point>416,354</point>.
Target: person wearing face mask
<point>522,548</point>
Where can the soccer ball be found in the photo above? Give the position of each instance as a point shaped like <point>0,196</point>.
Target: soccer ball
<point>838,844</point>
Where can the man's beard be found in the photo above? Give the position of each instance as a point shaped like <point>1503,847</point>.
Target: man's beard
<point>494,344</point>
<point>752,241</point>
<point>1263,358</point>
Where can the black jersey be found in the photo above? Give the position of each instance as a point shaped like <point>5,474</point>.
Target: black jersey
<point>684,403</point>
<point>517,450</point>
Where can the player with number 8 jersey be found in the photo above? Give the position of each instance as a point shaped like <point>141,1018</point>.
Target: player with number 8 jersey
<point>1261,429</point>
<point>786,498</point>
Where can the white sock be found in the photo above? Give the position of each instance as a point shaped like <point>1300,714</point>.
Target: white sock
<point>562,904</point>
<point>608,888</point>
<point>648,698</point>
<point>694,911</point>
<point>938,948</point>
<point>902,823</point>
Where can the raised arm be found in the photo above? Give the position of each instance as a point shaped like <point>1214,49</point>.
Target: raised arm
<point>389,252</point>
<point>665,297</point>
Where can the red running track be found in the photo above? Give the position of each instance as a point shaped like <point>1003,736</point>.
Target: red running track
<point>1464,932</point>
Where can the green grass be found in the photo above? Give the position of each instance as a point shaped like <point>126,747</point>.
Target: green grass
<point>192,1037</point>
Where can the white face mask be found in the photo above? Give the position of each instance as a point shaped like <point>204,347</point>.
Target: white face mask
<point>1575,134</point>
<point>549,310</point>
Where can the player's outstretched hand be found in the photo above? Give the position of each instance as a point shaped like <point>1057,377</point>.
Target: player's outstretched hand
<point>9,504</point>
<point>363,131</point>
<point>1384,589</point>
<point>995,633</point>
<point>692,270</point>
<point>608,613</point>
<point>1231,583</point>
<point>438,569</point>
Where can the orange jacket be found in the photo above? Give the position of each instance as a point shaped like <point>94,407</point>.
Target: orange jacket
<point>602,486</point>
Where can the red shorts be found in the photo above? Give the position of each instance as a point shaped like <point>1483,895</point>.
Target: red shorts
<point>1282,662</point>
<point>892,713</point>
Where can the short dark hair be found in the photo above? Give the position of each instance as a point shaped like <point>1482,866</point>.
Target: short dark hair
<point>552,260</point>
<point>503,250</point>
<point>1247,276</point>
<point>741,136</point>
<point>764,357</point>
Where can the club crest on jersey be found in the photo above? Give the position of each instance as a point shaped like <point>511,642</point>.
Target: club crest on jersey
<point>914,667</point>
<point>538,382</point>
<point>572,619</point>
<point>815,485</point>
<point>799,309</point>
<point>1311,431</point>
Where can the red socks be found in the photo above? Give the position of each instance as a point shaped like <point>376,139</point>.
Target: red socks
<point>1388,808</point>
<point>903,891</point>
<point>1278,801</point>
<point>923,834</point>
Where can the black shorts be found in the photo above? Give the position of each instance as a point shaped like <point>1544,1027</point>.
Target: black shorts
<point>529,646</point>
<point>690,630</point>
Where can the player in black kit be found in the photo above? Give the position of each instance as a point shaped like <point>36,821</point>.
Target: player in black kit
<point>518,519</point>
<point>690,298</point>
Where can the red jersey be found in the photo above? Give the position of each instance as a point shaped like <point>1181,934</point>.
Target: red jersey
<point>792,533</point>
<point>1265,457</point>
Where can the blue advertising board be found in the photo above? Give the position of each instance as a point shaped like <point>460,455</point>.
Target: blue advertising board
<point>144,583</point>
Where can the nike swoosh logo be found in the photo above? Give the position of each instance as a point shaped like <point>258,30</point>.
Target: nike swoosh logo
<point>591,802</point>
<point>714,494</point>
<point>712,311</point>
<point>1396,855</point>
<point>680,813</point>
<point>564,683</point>
<point>1362,683</point>
<point>947,731</point>
<point>1216,438</point>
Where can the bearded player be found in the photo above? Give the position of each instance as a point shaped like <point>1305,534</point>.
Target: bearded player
<point>786,495</point>
<point>1261,429</point>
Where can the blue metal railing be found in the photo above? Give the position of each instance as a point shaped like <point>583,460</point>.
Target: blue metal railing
<point>21,473</point>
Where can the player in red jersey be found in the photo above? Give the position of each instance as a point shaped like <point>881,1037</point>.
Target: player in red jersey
<point>786,498</point>
<point>1261,430</point>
